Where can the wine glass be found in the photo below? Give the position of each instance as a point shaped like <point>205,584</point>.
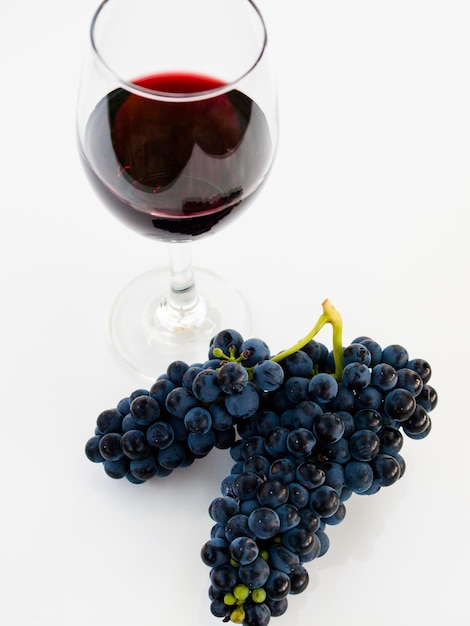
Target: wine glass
<point>177,127</point>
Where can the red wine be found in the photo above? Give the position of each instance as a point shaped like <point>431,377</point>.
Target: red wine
<point>177,169</point>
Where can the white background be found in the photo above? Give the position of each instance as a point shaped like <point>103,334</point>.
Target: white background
<point>367,205</point>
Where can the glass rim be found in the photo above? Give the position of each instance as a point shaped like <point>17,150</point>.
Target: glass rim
<point>177,96</point>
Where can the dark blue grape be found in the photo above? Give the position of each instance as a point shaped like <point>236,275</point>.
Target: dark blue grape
<point>160,389</point>
<point>160,435</point>
<point>289,516</point>
<point>304,414</point>
<point>257,615</point>
<point>309,475</point>
<point>259,465</point>
<point>198,420</point>
<point>236,451</point>
<point>391,440</point>
<point>298,540</point>
<point>374,348</point>
<point>277,607</point>
<point>287,419</point>
<point>201,444</point>
<point>324,501</point>
<point>410,380</point>
<point>254,574</point>
<point>244,404</point>
<point>324,542</point>
<point>364,445</point>
<point>337,517</point>
<point>246,485</point>
<point>124,406</point>
<point>356,376</point>
<point>427,398</point>
<point>368,398</point>
<point>395,355</point>
<point>173,456</point>
<point>237,526</point>
<point>322,388</point>
<point>248,506</point>
<point>309,520</point>
<point>299,580</point>
<point>134,444</point>
<point>108,421</point>
<point>179,401</point>
<point>275,442</point>
<point>358,476</point>
<point>232,377</point>
<point>283,468</point>
<point>224,340</point>
<point>244,550</point>
<point>253,351</point>
<point>348,421</point>
<point>399,404</point>
<point>300,442</point>
<point>221,418</point>
<point>254,446</point>
<point>129,423</point>
<point>328,428</point>
<point>224,577</point>
<point>334,475</point>
<point>283,559</point>
<point>175,372</point>
<point>137,393</point>
<point>218,608</point>
<point>178,427</point>
<point>264,523</point>
<point>298,495</point>
<point>384,376</point>
<point>145,410</point>
<point>356,353</point>
<point>144,469</point>
<point>190,375</point>
<point>344,399</point>
<point>222,509</point>
<point>116,469</point>
<point>272,493</point>
<point>298,364</point>
<point>278,585</point>
<point>386,470</point>
<point>338,452</point>
<point>215,552</point>
<point>369,419</point>
<point>296,389</point>
<point>417,424</point>
<point>246,428</point>
<point>268,375</point>
<point>421,367</point>
<point>264,421</point>
<point>92,449</point>
<point>206,386</point>
<point>110,447</point>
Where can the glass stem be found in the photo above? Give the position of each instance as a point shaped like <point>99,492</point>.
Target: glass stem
<point>182,308</point>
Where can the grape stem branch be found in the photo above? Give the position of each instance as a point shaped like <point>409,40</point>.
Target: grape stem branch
<point>329,316</point>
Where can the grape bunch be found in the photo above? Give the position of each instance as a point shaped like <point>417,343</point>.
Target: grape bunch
<point>306,428</point>
<point>189,410</point>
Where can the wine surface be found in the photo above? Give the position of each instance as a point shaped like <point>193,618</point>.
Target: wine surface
<point>176,169</point>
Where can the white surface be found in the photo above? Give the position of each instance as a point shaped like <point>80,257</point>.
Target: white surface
<point>367,205</point>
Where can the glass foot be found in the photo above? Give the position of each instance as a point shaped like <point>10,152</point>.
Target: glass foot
<point>148,334</point>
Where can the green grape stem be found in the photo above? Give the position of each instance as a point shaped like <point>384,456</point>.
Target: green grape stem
<point>329,316</point>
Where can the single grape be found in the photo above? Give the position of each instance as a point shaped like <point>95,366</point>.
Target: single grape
<point>322,388</point>
<point>268,375</point>
<point>232,378</point>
